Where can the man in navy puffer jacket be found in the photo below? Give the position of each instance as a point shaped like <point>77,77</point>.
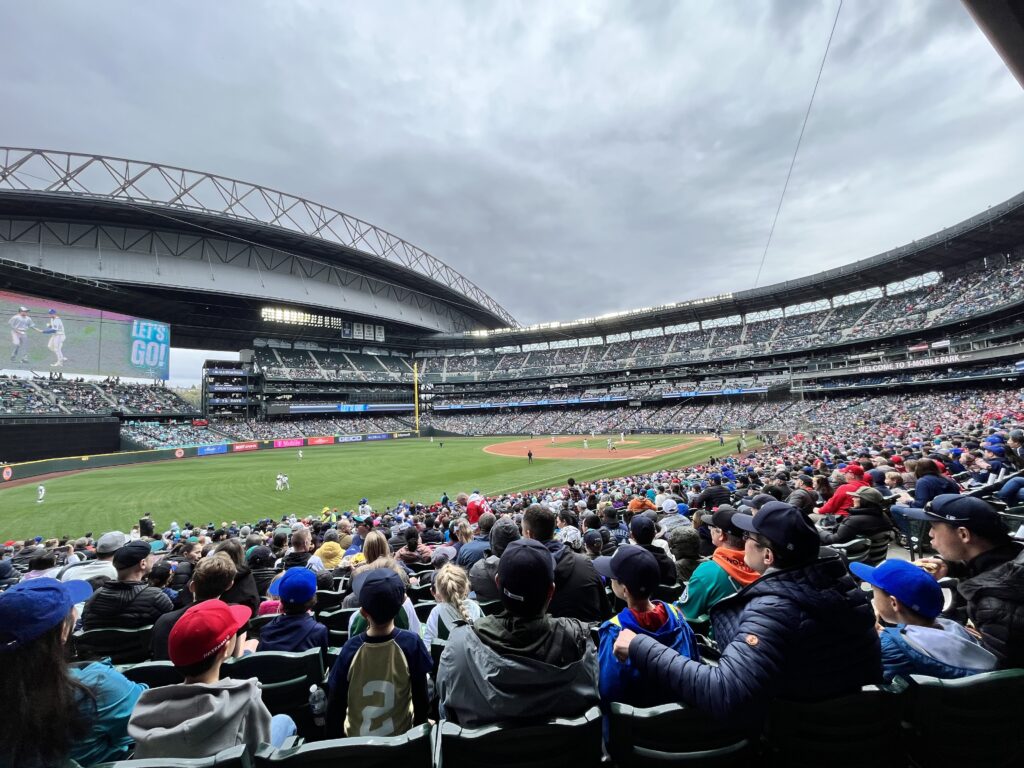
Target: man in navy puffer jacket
<point>802,631</point>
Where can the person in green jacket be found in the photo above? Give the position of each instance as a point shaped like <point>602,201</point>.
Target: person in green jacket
<point>724,574</point>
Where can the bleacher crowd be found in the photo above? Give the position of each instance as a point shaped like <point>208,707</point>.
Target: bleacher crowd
<point>779,575</point>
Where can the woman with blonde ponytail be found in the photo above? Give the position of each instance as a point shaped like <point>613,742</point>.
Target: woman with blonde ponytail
<point>451,591</point>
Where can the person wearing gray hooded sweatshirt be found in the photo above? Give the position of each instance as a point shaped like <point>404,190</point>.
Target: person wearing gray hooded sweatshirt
<point>522,664</point>
<point>204,715</point>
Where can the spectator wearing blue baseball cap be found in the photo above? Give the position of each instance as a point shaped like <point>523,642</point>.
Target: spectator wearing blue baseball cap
<point>295,629</point>
<point>773,632</point>
<point>919,642</point>
<point>57,713</point>
<point>975,547</point>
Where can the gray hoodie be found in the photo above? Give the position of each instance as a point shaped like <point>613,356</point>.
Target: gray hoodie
<point>199,720</point>
<point>529,669</point>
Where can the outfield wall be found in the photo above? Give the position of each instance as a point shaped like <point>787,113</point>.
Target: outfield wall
<point>28,469</point>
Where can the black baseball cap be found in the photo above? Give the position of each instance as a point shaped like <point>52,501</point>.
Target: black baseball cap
<point>959,511</point>
<point>783,524</point>
<point>380,592</point>
<point>642,529</point>
<point>526,571</point>
<point>131,554</point>
<point>721,518</point>
<point>633,566</point>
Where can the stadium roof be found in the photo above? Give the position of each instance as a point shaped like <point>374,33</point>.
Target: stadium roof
<point>998,229</point>
<point>69,185</point>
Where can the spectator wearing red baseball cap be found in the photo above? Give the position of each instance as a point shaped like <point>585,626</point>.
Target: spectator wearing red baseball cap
<point>56,712</point>
<point>205,714</point>
<point>842,499</point>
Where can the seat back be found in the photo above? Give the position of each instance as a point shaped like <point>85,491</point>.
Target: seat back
<point>855,730</point>
<point>855,550</point>
<point>123,646</point>
<point>671,734</point>
<point>286,679</point>
<point>667,593</point>
<point>423,610</point>
<point>257,623</point>
<point>233,757</point>
<point>338,619</point>
<point>543,745</point>
<point>878,547</point>
<point>972,720</point>
<point>155,674</point>
<point>420,593</point>
<point>491,607</point>
<point>328,600</point>
<point>410,750</point>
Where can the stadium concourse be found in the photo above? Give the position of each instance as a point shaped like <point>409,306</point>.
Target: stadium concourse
<point>735,588</point>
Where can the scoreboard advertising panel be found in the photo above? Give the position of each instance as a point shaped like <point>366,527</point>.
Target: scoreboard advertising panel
<point>43,334</point>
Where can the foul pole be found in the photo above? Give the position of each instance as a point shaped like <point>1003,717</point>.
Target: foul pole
<point>416,394</point>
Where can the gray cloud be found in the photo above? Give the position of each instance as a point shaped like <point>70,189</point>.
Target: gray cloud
<point>570,158</point>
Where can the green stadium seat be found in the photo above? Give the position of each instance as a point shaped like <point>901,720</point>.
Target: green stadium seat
<point>969,721</point>
<point>286,679</point>
<point>668,593</point>
<point>845,732</point>
<point>491,607</point>
<point>155,674</point>
<point>410,750</point>
<point>121,646</point>
<point>553,744</point>
<point>423,610</point>
<point>671,734</point>
<point>855,550</point>
<point>336,637</point>
<point>420,593</point>
<point>878,547</point>
<point>233,757</point>
<point>421,567</point>
<point>337,619</point>
<point>328,600</point>
<point>257,623</point>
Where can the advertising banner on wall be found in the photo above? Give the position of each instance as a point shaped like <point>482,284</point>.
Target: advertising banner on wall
<point>44,334</point>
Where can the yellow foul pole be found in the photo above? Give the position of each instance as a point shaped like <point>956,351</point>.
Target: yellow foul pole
<point>416,394</point>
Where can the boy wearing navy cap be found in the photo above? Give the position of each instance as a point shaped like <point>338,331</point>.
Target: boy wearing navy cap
<point>919,642</point>
<point>295,629</point>
<point>378,685</point>
<point>634,575</point>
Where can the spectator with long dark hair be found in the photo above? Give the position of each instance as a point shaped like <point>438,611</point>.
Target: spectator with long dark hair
<point>929,484</point>
<point>57,712</point>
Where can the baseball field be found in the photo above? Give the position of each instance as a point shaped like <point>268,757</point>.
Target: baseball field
<point>241,486</point>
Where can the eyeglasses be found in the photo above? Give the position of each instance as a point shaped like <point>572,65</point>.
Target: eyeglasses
<point>748,536</point>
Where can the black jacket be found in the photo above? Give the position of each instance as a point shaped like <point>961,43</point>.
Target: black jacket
<point>713,496</point>
<point>994,601</point>
<point>865,520</point>
<point>803,499</point>
<point>263,577</point>
<point>804,634</point>
<point>579,591</point>
<point>125,605</point>
<point>244,591</point>
<point>666,564</point>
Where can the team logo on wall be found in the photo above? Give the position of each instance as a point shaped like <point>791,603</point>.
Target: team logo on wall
<point>8,473</point>
<point>179,453</point>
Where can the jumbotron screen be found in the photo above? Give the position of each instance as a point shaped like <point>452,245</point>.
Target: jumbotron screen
<point>46,335</point>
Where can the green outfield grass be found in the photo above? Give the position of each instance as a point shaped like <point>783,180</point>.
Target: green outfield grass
<point>241,486</point>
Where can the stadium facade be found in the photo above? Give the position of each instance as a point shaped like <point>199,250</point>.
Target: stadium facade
<point>333,315</point>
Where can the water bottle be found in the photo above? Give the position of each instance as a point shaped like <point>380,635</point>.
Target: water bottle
<point>318,705</point>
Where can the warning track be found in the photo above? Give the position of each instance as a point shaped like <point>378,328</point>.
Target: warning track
<point>543,449</point>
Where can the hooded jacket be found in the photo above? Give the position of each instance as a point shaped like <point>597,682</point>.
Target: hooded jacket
<point>199,719</point>
<point>802,634</point>
<point>579,591</point>
<point>994,596</point>
<point>294,634</point>
<point>126,605</point>
<point>622,682</point>
<point>946,652</point>
<point>841,500</point>
<point>506,668</point>
<point>865,520</point>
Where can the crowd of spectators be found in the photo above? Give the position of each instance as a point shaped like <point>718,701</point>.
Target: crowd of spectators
<point>56,394</point>
<point>169,434</point>
<point>547,601</point>
<point>24,397</point>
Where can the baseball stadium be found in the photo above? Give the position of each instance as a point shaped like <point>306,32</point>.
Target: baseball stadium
<point>394,525</point>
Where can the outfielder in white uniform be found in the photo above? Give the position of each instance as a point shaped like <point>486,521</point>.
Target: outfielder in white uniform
<point>20,323</point>
<point>284,483</point>
<point>55,329</point>
<point>41,490</point>
<point>280,482</point>
<point>300,455</point>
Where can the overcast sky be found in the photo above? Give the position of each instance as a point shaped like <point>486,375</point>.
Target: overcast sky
<point>570,158</point>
